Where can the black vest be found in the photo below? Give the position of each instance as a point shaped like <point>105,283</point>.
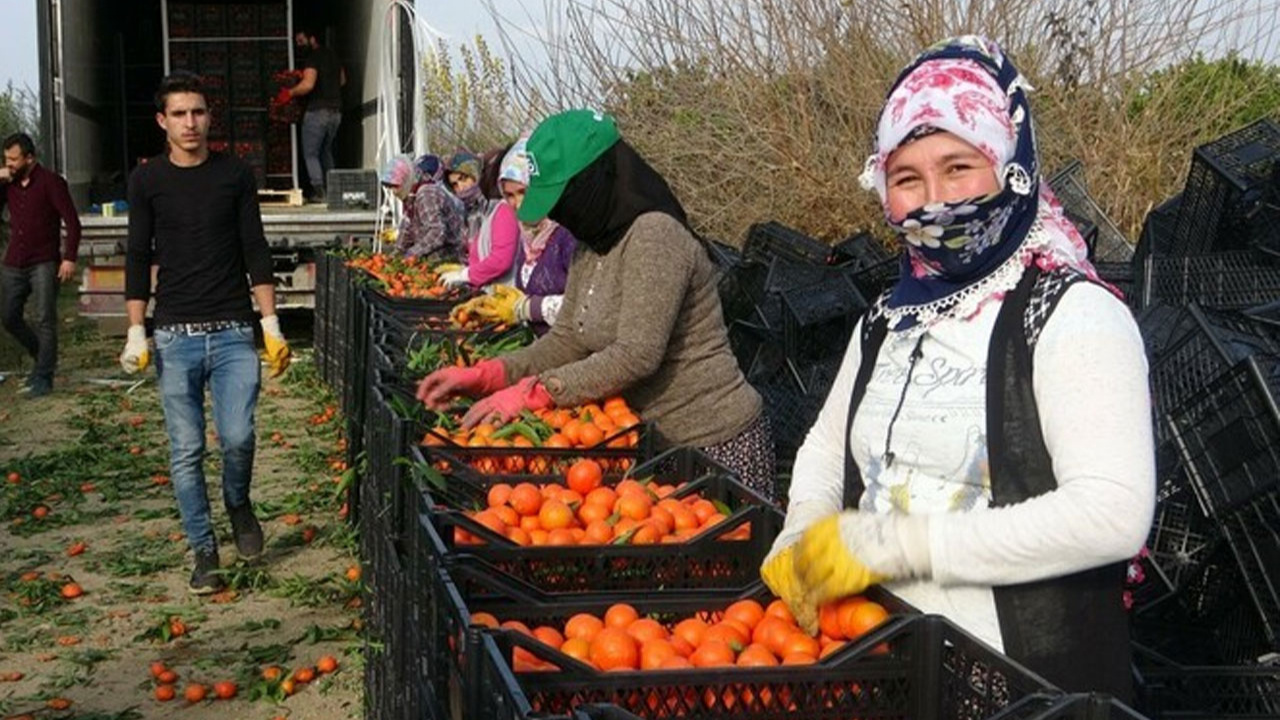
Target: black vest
<point>1072,630</point>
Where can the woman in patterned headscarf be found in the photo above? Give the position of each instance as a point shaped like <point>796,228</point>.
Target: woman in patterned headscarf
<point>432,224</point>
<point>986,448</point>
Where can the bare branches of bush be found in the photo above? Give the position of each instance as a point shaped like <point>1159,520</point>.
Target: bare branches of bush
<point>764,109</point>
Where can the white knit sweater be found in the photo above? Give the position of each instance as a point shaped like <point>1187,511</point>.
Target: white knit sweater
<point>1090,384</point>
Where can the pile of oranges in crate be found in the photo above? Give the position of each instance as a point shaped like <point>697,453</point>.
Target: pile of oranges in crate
<point>612,425</point>
<point>403,277</point>
<point>745,634</point>
<point>583,511</point>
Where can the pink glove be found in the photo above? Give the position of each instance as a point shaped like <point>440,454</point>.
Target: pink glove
<point>484,378</point>
<point>528,394</point>
<point>283,97</point>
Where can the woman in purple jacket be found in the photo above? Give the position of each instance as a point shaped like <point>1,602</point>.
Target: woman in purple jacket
<point>541,263</point>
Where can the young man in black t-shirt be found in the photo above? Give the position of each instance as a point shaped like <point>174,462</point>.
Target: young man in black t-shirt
<point>321,84</point>
<point>193,215</point>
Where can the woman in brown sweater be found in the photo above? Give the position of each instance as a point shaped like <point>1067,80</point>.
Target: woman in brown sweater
<point>641,316</point>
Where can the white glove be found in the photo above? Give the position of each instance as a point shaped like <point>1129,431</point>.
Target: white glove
<point>455,278</point>
<point>137,354</point>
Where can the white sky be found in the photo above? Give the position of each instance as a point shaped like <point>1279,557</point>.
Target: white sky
<point>459,19</point>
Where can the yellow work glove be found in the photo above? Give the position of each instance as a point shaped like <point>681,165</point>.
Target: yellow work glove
<point>277,353</point>
<point>503,305</point>
<point>137,354</point>
<point>845,553</point>
<point>443,268</point>
<point>779,574</point>
<point>778,568</point>
<point>470,307</point>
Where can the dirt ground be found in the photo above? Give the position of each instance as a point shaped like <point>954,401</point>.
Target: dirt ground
<point>85,499</point>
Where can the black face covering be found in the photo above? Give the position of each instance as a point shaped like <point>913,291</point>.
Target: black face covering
<point>604,198</point>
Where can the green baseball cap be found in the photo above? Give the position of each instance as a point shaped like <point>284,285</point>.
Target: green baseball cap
<point>559,148</point>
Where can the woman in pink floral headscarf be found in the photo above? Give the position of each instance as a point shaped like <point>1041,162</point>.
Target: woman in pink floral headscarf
<point>986,448</point>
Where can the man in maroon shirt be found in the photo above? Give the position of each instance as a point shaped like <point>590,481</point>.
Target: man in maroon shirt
<point>37,199</point>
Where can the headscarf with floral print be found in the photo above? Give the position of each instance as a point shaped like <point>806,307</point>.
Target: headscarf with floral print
<point>961,254</point>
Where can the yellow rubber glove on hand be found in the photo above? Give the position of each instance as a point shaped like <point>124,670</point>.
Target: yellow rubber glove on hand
<point>503,305</point>
<point>277,354</point>
<point>136,355</point>
<point>845,553</point>
<point>443,268</point>
<point>461,312</point>
<point>779,574</point>
<point>828,570</point>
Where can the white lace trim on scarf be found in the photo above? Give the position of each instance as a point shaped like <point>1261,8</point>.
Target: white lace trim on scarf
<point>966,302</point>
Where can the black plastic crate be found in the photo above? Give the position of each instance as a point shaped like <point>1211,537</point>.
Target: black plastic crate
<point>1213,692</point>
<point>182,56</point>
<point>214,62</point>
<point>771,240</point>
<point>1182,537</point>
<point>386,439</point>
<point>242,20</point>
<point>211,20</point>
<point>1105,241</point>
<point>872,281</point>
<point>1120,275</point>
<point>1228,280</point>
<point>1078,706</point>
<point>273,20</point>
<point>1189,347</point>
<point>181,20</point>
<point>1226,182</point>
<point>455,643</point>
<point>717,559</point>
<point>914,667</point>
<point>1210,620</point>
<point>274,58</point>
<point>248,125</point>
<point>391,645</point>
<point>741,288</point>
<point>348,189</point>
<point>818,320</point>
<point>859,251</point>
<point>1229,434</point>
<point>793,395</point>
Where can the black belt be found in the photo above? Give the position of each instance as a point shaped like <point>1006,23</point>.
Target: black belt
<point>203,328</point>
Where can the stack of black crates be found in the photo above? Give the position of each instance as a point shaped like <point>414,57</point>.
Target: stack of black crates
<point>1206,614</point>
<point>790,303</point>
<point>236,48</point>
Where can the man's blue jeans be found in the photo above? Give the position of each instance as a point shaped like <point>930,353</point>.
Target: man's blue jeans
<point>319,130</point>
<point>227,362</point>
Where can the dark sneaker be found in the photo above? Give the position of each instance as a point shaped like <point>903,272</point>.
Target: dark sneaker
<point>247,531</point>
<point>205,579</point>
<point>37,387</point>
